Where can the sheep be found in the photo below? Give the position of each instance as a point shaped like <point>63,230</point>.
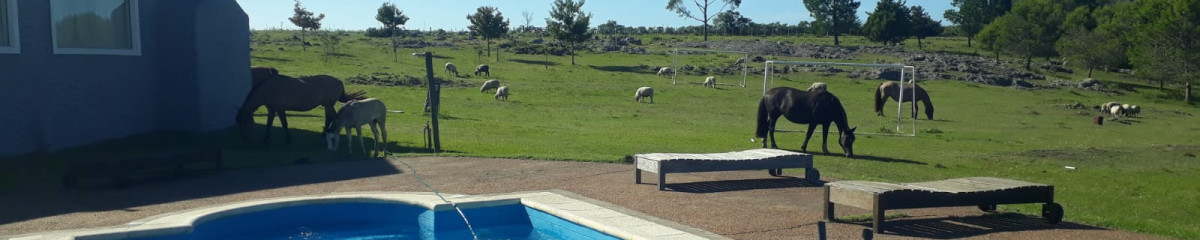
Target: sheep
<point>1133,111</point>
<point>502,92</point>
<point>417,54</point>
<point>645,92</point>
<point>739,61</point>
<point>483,68</point>
<point>489,84</point>
<point>663,70</point>
<point>450,68</point>
<point>710,81</point>
<point>1116,111</point>
<point>1106,107</point>
<point>817,86</point>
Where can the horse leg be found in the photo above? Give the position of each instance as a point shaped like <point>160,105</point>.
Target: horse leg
<point>349,140</point>
<point>375,134</point>
<point>771,132</point>
<point>807,136</point>
<point>270,121</point>
<point>915,109</point>
<point>824,138</point>
<point>383,129</point>
<point>287,136</point>
<point>362,144</point>
<point>329,113</point>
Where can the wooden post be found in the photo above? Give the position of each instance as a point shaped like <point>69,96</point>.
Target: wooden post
<point>829,208</point>
<point>434,98</point>
<point>878,211</point>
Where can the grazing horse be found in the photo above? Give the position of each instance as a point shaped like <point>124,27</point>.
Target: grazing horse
<point>891,90</point>
<point>283,93</point>
<point>804,107</point>
<point>259,74</point>
<point>354,115</point>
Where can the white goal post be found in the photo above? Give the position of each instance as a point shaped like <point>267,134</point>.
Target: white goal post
<point>769,80</point>
<point>745,63</point>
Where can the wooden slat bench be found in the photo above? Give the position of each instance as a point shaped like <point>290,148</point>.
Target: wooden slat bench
<point>120,170</point>
<point>773,160</point>
<point>985,192</point>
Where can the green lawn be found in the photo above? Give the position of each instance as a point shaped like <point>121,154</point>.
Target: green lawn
<point>1138,176</point>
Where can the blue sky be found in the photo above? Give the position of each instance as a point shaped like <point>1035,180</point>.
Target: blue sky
<point>451,14</point>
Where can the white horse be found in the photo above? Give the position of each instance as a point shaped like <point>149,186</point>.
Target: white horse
<point>710,81</point>
<point>353,115</point>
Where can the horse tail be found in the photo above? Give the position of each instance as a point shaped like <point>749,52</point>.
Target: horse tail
<point>358,95</point>
<point>761,132</point>
<point>879,99</point>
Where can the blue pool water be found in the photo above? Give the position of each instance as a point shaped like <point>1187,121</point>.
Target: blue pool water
<point>383,221</point>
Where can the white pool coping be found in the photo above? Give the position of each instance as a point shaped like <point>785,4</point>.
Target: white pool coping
<point>601,216</point>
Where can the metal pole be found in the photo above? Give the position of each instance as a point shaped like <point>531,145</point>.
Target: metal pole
<point>900,101</point>
<point>914,82</point>
<point>766,74</point>
<point>675,67</point>
<point>745,68</point>
<point>434,97</point>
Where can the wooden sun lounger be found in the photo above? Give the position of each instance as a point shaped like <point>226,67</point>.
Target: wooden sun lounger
<point>985,192</point>
<point>774,160</point>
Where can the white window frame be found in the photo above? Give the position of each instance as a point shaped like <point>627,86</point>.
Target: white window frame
<point>134,29</point>
<point>14,34</point>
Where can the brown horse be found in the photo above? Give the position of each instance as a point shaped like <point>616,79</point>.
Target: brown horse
<point>259,74</point>
<point>283,93</point>
<point>891,90</point>
<point>804,107</point>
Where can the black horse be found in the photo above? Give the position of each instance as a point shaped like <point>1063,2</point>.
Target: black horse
<point>804,107</point>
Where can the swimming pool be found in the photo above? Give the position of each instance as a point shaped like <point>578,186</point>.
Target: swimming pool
<point>379,216</point>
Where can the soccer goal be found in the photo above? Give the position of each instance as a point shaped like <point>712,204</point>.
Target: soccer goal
<point>903,123</point>
<point>712,66</point>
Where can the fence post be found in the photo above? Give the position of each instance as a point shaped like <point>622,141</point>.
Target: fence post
<point>433,99</point>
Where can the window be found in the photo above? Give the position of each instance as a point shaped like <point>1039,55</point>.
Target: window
<point>106,27</point>
<point>10,41</point>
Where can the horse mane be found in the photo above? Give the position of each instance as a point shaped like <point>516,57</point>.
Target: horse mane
<point>257,86</point>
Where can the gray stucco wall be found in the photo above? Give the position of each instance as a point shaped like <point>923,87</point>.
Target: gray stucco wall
<point>54,101</point>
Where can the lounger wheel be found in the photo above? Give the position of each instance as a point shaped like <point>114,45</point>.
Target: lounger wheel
<point>812,176</point>
<point>775,172</point>
<point>988,208</point>
<point>1052,212</point>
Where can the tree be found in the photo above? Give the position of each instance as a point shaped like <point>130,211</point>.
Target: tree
<point>1084,47</point>
<point>889,23</point>
<point>834,16</point>
<point>702,5</point>
<point>732,22</point>
<point>568,23</point>
<point>923,25</point>
<point>1031,28</point>
<point>1012,34</point>
<point>528,21</point>
<point>973,15</point>
<point>306,21</point>
<point>391,18</point>
<point>490,24</point>
<point>1168,45</point>
<point>609,28</point>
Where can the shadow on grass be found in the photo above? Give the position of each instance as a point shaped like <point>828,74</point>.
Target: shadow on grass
<point>536,62</point>
<point>34,181</point>
<point>626,69</point>
<point>270,59</point>
<point>740,185</point>
<point>887,159</point>
<point>964,227</point>
<point>290,115</point>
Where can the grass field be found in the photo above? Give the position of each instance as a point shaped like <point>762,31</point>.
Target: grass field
<point>1139,175</point>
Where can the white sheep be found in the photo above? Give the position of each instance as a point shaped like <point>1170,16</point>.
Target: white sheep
<point>483,68</point>
<point>417,54</point>
<point>489,84</point>
<point>644,92</point>
<point>817,86</point>
<point>710,81</point>
<point>502,92</point>
<point>450,68</point>
<point>1116,111</point>
<point>1106,107</point>
<point>663,70</point>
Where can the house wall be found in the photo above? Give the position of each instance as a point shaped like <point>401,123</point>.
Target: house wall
<point>59,101</point>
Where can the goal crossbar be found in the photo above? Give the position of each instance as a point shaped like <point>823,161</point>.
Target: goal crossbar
<point>904,70</point>
<point>675,64</point>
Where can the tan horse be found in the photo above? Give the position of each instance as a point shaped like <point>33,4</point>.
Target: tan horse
<point>891,90</point>
<point>353,115</point>
<point>283,93</point>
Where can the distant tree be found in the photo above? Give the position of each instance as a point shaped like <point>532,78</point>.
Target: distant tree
<point>609,28</point>
<point>701,5</point>
<point>528,21</point>
<point>1114,25</point>
<point>490,24</point>
<point>568,23</point>
<point>306,21</point>
<point>973,15</point>
<point>923,26</point>
<point>1031,28</point>
<point>392,18</point>
<point>834,17</point>
<point>889,23</point>
<point>1168,41</point>
<point>732,22</point>
<point>1084,47</point>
